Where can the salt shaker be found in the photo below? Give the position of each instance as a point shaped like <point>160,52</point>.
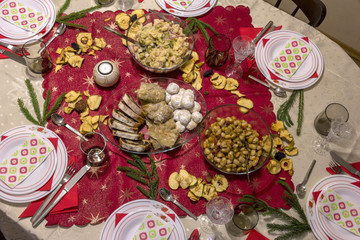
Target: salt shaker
<point>106,73</point>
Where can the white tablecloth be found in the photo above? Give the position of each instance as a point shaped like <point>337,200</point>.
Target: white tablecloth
<point>339,83</point>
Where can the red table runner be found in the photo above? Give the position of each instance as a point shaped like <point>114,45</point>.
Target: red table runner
<point>103,190</point>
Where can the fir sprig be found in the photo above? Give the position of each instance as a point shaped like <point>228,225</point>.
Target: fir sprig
<point>66,19</point>
<point>293,226</point>
<point>40,119</point>
<point>196,24</point>
<point>283,111</point>
<point>143,175</point>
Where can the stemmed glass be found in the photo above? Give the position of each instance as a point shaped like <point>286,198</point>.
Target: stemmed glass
<point>243,46</point>
<point>339,131</point>
<point>219,210</point>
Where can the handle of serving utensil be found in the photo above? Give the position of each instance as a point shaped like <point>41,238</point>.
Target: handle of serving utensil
<point>75,131</point>
<point>262,32</point>
<point>46,202</point>
<point>306,178</point>
<point>184,209</point>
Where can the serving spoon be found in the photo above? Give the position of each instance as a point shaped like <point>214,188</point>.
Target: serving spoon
<point>300,188</point>
<point>276,90</point>
<point>124,36</point>
<point>167,196</point>
<point>59,31</point>
<point>60,121</point>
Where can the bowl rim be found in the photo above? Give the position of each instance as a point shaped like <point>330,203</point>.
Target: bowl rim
<point>222,170</point>
<point>161,16</point>
<point>152,80</point>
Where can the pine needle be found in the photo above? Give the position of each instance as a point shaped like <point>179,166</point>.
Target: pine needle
<point>301,112</point>
<point>56,105</point>
<point>34,100</point>
<point>46,103</point>
<point>26,112</point>
<point>63,8</point>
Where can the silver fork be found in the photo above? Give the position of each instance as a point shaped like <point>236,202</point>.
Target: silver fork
<point>70,170</point>
<point>251,57</point>
<point>335,167</point>
<point>15,49</point>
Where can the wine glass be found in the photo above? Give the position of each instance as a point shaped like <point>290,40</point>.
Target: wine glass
<point>339,130</point>
<point>219,210</point>
<point>243,46</point>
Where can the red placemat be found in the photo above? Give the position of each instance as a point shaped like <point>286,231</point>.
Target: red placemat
<point>103,190</point>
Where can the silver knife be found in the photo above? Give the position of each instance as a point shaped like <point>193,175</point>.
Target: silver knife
<point>13,56</point>
<point>66,189</point>
<point>344,163</point>
<point>262,32</point>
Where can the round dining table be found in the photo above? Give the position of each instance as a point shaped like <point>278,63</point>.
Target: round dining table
<point>338,83</point>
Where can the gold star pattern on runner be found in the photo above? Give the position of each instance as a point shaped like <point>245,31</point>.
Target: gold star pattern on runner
<point>95,219</point>
<point>267,109</point>
<point>67,40</point>
<point>84,201</point>
<point>220,20</point>
<point>113,25</point>
<point>54,89</point>
<point>92,20</point>
<point>182,166</point>
<point>89,81</point>
<point>255,183</point>
<point>71,219</point>
<point>160,165</point>
<point>157,158</point>
<point>176,197</point>
<point>204,173</point>
<point>98,31</point>
<point>96,171</point>
<point>239,191</point>
<point>109,46</point>
<point>185,145</point>
<point>197,36</point>
<point>146,78</point>
<point>70,78</point>
<point>127,74</point>
<point>197,154</point>
<point>117,62</point>
<point>125,195</point>
<point>110,203</point>
<point>57,131</point>
<point>221,100</point>
<point>73,120</point>
<point>103,187</point>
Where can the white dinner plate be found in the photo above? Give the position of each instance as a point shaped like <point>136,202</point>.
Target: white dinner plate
<point>108,230</point>
<point>38,177</point>
<point>128,226</point>
<point>306,69</point>
<point>21,36</point>
<point>311,205</point>
<point>60,168</point>
<point>195,5</point>
<point>180,13</point>
<point>11,31</point>
<point>350,193</point>
<point>262,63</point>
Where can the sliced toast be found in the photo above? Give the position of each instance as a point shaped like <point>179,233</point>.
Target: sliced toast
<point>130,102</point>
<point>120,116</point>
<point>125,109</point>
<point>115,124</point>
<point>127,135</point>
<point>136,146</point>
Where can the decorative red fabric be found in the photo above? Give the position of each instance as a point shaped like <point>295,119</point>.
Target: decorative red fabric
<point>255,235</point>
<point>104,189</point>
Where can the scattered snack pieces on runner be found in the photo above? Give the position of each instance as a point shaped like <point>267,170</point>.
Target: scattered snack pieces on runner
<point>246,103</point>
<point>71,54</point>
<point>191,71</point>
<point>198,188</point>
<point>286,164</point>
<point>123,21</point>
<point>274,167</point>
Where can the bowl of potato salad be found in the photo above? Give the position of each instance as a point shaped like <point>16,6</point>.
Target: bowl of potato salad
<point>165,42</point>
<point>235,141</point>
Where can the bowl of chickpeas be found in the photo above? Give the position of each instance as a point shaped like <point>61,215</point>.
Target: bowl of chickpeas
<point>231,139</point>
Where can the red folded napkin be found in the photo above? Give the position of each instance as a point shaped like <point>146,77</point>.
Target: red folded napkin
<point>355,165</point>
<point>69,203</point>
<point>255,235</point>
<point>120,216</point>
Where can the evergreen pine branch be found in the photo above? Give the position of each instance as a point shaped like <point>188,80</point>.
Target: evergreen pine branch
<point>133,163</point>
<point>55,106</point>
<point>72,24</point>
<point>295,201</point>
<point>283,111</point>
<point>143,191</point>
<point>68,18</point>
<point>46,103</point>
<point>34,100</point>
<point>129,169</point>
<point>63,8</point>
<point>26,112</point>
<point>301,112</point>
<point>137,177</point>
<point>75,15</point>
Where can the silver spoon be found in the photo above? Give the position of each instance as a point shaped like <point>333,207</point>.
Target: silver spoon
<point>277,90</point>
<point>59,31</point>
<point>167,196</point>
<point>60,121</point>
<point>124,36</point>
<point>300,188</point>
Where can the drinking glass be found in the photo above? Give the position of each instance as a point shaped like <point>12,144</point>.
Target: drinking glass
<point>339,131</point>
<point>125,4</point>
<point>243,46</point>
<point>219,210</point>
<point>244,220</point>
<point>94,148</point>
<point>333,111</point>
<point>37,58</point>
<point>217,51</point>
